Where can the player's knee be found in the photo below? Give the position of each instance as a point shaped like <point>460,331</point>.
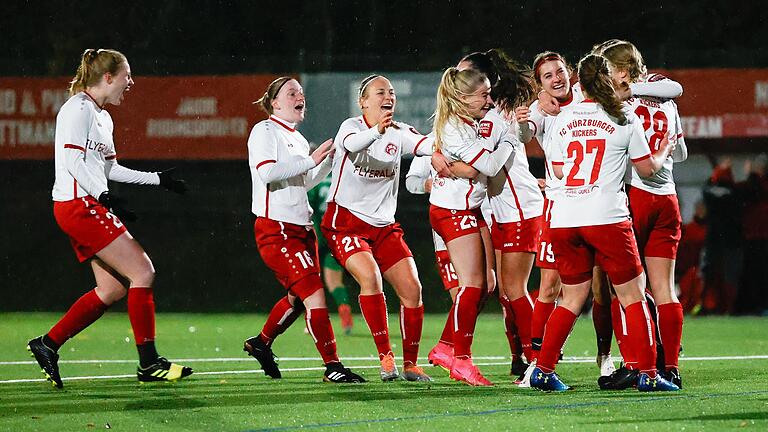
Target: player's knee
<point>111,294</point>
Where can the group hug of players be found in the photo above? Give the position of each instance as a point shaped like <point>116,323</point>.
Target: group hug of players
<point>614,129</point>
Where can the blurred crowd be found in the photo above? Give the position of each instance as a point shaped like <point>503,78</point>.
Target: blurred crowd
<point>722,263</point>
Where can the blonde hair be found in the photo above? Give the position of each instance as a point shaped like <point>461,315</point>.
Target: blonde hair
<point>93,65</point>
<point>595,79</point>
<point>623,55</point>
<point>265,101</point>
<point>450,107</point>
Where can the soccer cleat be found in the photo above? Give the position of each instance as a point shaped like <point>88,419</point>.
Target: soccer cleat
<point>525,382</point>
<point>415,373</point>
<point>257,349</point>
<point>48,360</point>
<point>162,370</point>
<point>442,356</point>
<point>673,376</point>
<point>621,379</point>
<point>518,368</point>
<point>336,373</point>
<point>345,315</point>
<point>465,371</point>
<point>547,381</point>
<point>647,384</point>
<point>388,370</point>
<point>605,363</point>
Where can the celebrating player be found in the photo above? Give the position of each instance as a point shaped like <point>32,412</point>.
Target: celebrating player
<point>653,200</point>
<point>282,170</point>
<point>589,147</point>
<point>93,217</point>
<point>360,226</point>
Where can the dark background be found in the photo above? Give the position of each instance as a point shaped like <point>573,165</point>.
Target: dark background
<point>202,244</point>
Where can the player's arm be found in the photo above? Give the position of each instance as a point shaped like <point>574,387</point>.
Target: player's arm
<point>73,132</point>
<point>415,143</point>
<point>262,149</point>
<point>647,164</point>
<point>529,122</point>
<point>324,153</point>
<point>352,139</point>
<point>485,161</point>
<point>657,86</point>
<point>681,150</point>
<point>418,175</point>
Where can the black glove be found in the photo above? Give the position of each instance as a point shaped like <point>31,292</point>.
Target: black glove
<point>175,185</point>
<point>115,205</point>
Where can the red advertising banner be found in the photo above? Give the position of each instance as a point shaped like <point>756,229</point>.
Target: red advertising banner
<point>189,117</point>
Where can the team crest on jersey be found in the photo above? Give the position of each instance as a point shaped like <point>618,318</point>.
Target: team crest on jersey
<point>485,129</point>
<point>391,149</point>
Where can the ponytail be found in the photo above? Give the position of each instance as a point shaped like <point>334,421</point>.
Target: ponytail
<point>514,86</point>
<point>595,79</point>
<point>93,65</point>
<point>450,106</point>
<point>265,101</point>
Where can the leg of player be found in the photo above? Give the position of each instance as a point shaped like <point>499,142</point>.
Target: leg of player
<point>333,276</point>
<point>468,258</point>
<point>283,314</point>
<point>126,257</point>
<point>442,353</point>
<point>670,313</point>
<point>549,291</point>
<point>556,332</point>
<point>641,333</point>
<point>601,318</point>
<point>404,278</point>
<point>373,306</point>
<point>514,271</point>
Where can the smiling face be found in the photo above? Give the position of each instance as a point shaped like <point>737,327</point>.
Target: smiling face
<point>378,98</point>
<point>118,84</point>
<point>289,103</point>
<point>479,102</point>
<point>555,79</point>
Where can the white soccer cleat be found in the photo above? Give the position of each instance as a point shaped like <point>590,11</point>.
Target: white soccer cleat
<point>526,381</point>
<point>605,363</point>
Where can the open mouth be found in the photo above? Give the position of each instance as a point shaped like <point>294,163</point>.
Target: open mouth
<point>387,107</point>
<point>558,86</point>
<point>299,107</point>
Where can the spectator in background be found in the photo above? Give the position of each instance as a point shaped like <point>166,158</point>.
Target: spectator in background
<point>754,196</point>
<point>688,265</point>
<point>722,251</point>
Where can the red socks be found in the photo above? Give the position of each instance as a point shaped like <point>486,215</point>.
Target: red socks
<point>619,319</point>
<point>541,313</point>
<point>642,336</point>
<point>601,318</point>
<point>510,329</point>
<point>447,336</point>
<point>465,310</point>
<point>411,322</point>
<point>141,312</point>
<point>671,329</point>
<point>281,317</point>
<point>319,326</point>
<point>557,329</point>
<point>523,308</point>
<point>374,309</point>
<point>80,315</point>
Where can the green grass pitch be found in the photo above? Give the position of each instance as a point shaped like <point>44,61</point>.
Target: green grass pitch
<point>228,393</point>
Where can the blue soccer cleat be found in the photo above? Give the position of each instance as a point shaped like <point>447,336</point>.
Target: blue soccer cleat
<point>648,384</point>
<point>547,381</point>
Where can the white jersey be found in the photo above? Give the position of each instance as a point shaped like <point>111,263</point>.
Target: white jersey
<point>513,193</point>
<point>470,143</point>
<point>85,155</point>
<point>542,125</point>
<point>593,150</point>
<point>659,118</point>
<point>366,167</point>
<point>282,172</point>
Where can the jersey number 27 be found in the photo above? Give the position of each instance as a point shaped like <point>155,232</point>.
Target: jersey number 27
<point>576,150</point>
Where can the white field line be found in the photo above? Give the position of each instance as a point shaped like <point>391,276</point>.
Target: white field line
<point>254,371</point>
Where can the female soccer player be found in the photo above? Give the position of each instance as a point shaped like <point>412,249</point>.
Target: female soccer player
<point>653,200</point>
<point>588,149</point>
<point>464,98</point>
<point>282,170</point>
<point>93,217</point>
<point>360,226</point>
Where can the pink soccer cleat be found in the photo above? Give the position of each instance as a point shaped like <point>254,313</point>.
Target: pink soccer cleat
<point>466,371</point>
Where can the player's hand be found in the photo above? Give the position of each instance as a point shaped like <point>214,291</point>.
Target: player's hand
<point>441,165</point>
<point>385,121</point>
<point>667,145</point>
<point>542,184</point>
<point>522,114</point>
<point>428,185</point>
<point>170,183</point>
<point>323,151</point>
<point>548,104</point>
<point>116,206</point>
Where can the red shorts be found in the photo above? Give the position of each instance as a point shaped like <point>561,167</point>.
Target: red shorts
<point>657,223</point>
<point>89,225</point>
<point>347,235</point>
<point>452,224</point>
<point>612,247</point>
<point>520,236</point>
<point>290,251</point>
<point>545,256</point>
<point>447,272</point>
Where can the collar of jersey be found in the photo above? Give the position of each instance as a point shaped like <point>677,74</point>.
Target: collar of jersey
<point>291,127</point>
<point>92,99</point>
